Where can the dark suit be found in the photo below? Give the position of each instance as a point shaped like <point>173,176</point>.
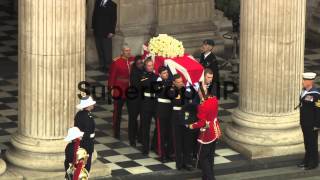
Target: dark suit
<point>211,62</point>
<point>104,21</point>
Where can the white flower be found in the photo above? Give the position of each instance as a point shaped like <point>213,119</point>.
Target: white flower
<point>166,46</point>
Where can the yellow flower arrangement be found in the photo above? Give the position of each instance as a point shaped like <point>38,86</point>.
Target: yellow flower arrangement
<point>166,46</point>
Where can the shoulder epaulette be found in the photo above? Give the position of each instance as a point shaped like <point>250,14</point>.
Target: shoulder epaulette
<point>117,58</point>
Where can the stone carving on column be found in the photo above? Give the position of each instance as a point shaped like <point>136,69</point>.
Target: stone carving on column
<point>271,64</point>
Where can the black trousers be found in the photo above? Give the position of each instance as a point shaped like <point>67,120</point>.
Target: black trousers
<point>88,165</point>
<point>134,107</point>
<point>206,160</point>
<point>164,130</point>
<point>88,145</point>
<point>183,145</point>
<point>194,142</point>
<point>310,137</point>
<point>104,49</point>
<point>117,113</point>
<point>148,112</point>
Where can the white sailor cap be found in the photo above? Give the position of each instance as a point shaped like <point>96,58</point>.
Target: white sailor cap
<point>309,76</point>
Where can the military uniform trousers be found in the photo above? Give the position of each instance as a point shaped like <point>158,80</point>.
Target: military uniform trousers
<point>206,160</point>
<point>164,130</point>
<point>310,137</point>
<point>117,113</point>
<point>182,143</point>
<point>88,145</point>
<point>134,107</point>
<point>148,111</point>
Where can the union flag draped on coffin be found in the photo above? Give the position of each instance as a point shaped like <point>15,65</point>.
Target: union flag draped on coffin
<point>166,50</point>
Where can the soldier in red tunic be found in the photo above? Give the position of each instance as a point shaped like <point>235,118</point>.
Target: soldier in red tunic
<point>209,132</point>
<point>118,83</point>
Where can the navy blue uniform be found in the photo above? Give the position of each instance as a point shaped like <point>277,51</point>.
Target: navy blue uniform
<point>182,135</point>
<point>309,119</point>
<point>148,107</point>
<point>85,122</point>
<point>163,123</point>
<point>134,105</point>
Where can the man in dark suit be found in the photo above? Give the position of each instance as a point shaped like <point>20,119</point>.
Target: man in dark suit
<point>104,22</point>
<point>208,60</point>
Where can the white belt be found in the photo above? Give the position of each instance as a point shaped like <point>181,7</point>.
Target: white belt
<point>92,135</point>
<point>164,100</point>
<point>176,108</point>
<point>148,94</point>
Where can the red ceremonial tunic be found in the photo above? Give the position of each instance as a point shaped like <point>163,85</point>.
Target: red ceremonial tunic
<point>119,76</point>
<point>207,121</point>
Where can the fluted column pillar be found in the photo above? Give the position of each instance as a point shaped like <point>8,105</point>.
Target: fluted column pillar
<point>51,64</point>
<point>3,167</point>
<point>271,64</point>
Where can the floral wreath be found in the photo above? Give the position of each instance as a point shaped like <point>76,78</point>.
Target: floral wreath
<point>165,46</point>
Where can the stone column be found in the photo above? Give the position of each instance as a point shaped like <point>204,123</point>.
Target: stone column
<point>3,167</point>
<point>188,20</point>
<point>271,64</point>
<point>51,64</point>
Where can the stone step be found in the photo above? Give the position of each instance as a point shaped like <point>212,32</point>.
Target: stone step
<point>98,171</point>
<point>308,178</point>
<point>290,172</point>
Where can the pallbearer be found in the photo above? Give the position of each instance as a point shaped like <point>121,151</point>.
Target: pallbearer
<point>181,132</point>
<point>134,100</point>
<point>148,104</point>
<point>164,109</point>
<point>310,120</point>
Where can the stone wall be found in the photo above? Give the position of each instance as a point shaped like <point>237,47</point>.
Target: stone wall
<point>190,21</point>
<point>313,21</point>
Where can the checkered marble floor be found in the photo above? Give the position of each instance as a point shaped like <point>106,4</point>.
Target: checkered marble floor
<point>123,159</point>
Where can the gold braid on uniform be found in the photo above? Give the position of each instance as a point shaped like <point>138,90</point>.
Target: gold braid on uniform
<point>82,155</point>
<point>216,129</point>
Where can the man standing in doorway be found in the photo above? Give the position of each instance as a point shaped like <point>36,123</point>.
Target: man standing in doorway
<point>104,22</point>
<point>208,60</point>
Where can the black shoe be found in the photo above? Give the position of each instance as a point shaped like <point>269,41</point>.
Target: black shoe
<point>117,136</point>
<point>310,167</point>
<point>133,144</point>
<point>145,153</point>
<point>188,167</point>
<point>302,165</point>
<point>169,159</point>
<point>163,159</point>
<point>179,168</point>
